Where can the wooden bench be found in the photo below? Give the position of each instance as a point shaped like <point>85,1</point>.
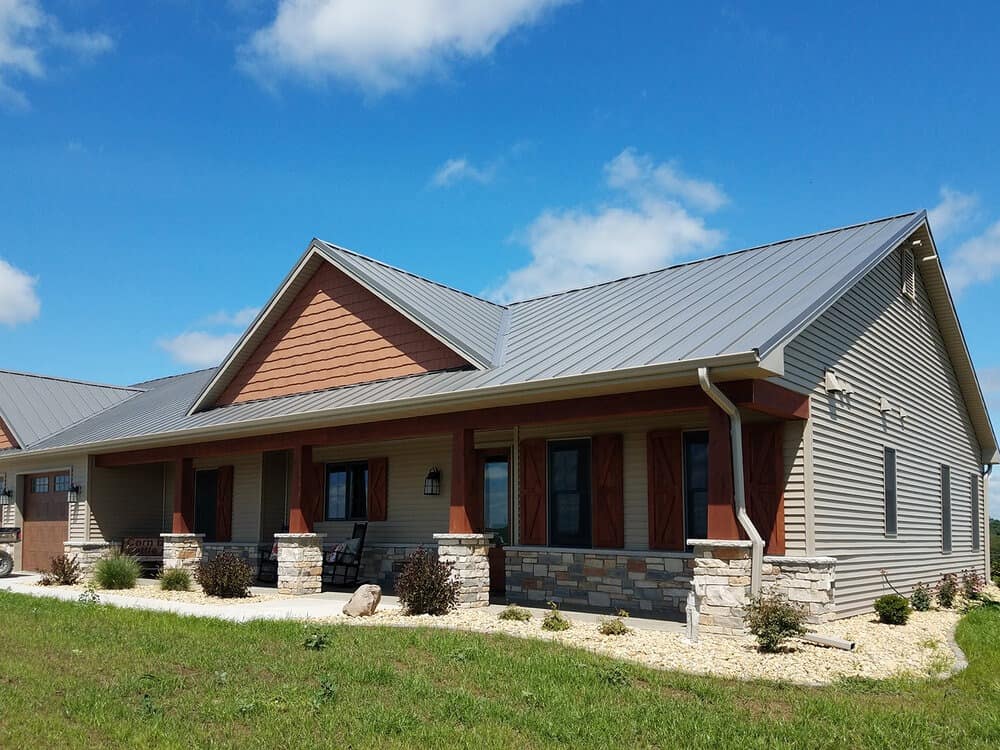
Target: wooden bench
<point>148,550</point>
<point>342,562</point>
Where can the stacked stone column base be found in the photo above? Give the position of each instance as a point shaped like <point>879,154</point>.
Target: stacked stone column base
<point>469,554</point>
<point>183,551</point>
<point>300,563</point>
<point>88,553</point>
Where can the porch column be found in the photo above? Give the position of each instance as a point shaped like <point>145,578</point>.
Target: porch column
<point>722,523</point>
<point>301,501</point>
<point>183,514</point>
<point>300,551</point>
<point>468,555</point>
<point>464,517</point>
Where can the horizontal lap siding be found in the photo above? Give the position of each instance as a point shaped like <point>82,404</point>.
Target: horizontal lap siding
<point>795,489</point>
<point>246,492</point>
<point>128,501</point>
<point>884,345</point>
<point>336,333</point>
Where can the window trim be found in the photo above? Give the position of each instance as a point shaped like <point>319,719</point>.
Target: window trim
<point>946,519</point>
<point>346,466</point>
<point>549,515</point>
<point>888,451</point>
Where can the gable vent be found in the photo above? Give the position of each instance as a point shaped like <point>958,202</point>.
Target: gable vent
<point>908,275</point>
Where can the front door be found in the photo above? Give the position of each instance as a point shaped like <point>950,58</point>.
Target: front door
<point>493,479</point>
<point>45,525</point>
<point>206,498</point>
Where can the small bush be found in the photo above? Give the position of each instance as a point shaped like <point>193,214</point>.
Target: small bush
<point>426,586</point>
<point>63,571</point>
<point>972,585</point>
<point>920,599</point>
<point>175,579</point>
<point>89,596</point>
<point>613,626</point>
<point>555,620</point>
<point>892,609</point>
<point>226,576</point>
<point>947,590</point>
<point>772,619</point>
<point>513,612</point>
<point>117,571</point>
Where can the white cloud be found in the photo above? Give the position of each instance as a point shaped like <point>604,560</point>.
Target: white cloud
<point>199,348</point>
<point>645,231</point>
<point>989,379</point>
<point>975,261</point>
<point>26,33</point>
<point>640,174</point>
<point>457,170</point>
<point>19,301</point>
<point>953,212</point>
<point>380,45</point>
<point>240,318</point>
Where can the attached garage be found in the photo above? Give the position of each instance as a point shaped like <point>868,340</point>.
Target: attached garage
<point>45,525</point>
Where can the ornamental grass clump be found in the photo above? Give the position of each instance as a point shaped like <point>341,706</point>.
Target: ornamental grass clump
<point>117,571</point>
<point>920,599</point>
<point>772,619</point>
<point>947,590</point>
<point>63,571</point>
<point>555,620</point>
<point>226,576</point>
<point>427,586</point>
<point>892,609</point>
<point>515,613</point>
<point>175,579</point>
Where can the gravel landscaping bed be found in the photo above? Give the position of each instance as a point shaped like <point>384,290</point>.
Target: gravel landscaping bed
<point>920,648</point>
<point>153,591</point>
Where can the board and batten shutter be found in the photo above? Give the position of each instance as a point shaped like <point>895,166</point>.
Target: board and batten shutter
<point>608,506</point>
<point>378,489</point>
<point>764,475</point>
<point>665,490</point>
<point>224,504</point>
<point>533,491</point>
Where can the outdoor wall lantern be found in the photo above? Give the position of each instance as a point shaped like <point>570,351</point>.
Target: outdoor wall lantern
<point>73,496</point>
<point>6,496</point>
<point>432,484</point>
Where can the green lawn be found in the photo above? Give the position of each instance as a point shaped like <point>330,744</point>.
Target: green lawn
<point>75,675</point>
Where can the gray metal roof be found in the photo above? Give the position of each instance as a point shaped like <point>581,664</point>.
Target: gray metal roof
<point>736,306</point>
<point>35,407</point>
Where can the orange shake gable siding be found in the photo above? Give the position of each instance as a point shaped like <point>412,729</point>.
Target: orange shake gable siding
<point>6,438</point>
<point>336,333</point>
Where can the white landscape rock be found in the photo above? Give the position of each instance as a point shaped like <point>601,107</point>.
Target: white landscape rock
<point>364,601</point>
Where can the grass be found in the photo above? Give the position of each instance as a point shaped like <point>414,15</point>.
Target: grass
<point>74,675</point>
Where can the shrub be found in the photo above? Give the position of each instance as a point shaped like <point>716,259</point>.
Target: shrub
<point>947,590</point>
<point>920,599</point>
<point>175,579</point>
<point>513,612</point>
<point>63,571</point>
<point>226,576</point>
<point>892,609</point>
<point>426,586</point>
<point>972,585</point>
<point>613,626</point>
<point>772,619</point>
<point>554,619</point>
<point>117,571</point>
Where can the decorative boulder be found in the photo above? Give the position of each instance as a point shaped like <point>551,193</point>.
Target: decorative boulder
<point>364,601</point>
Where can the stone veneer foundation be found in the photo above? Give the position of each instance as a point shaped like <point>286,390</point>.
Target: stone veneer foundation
<point>381,563</point>
<point>88,553</point>
<point>469,554</point>
<point>300,563</point>
<point>182,551</point>
<point>646,582</point>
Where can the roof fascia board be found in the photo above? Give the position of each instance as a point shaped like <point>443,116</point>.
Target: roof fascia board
<point>400,305</point>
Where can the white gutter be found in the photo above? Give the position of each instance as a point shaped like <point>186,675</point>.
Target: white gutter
<point>985,517</point>
<point>739,491</point>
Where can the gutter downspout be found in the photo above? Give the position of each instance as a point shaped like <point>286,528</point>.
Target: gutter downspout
<point>739,491</point>
<point>985,520</point>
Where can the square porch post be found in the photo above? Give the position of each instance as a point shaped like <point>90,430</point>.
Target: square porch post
<point>182,548</point>
<point>300,551</point>
<point>464,517</point>
<point>722,523</point>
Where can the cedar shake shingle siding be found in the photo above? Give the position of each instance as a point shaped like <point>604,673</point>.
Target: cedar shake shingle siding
<point>336,333</point>
<point>6,438</point>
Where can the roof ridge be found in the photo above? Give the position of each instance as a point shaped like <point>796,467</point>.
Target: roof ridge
<point>412,275</point>
<point>140,384</point>
<point>717,256</point>
<point>75,381</point>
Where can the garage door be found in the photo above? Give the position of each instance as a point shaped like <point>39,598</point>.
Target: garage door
<point>45,525</point>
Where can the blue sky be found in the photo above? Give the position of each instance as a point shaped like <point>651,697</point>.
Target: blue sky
<point>164,162</point>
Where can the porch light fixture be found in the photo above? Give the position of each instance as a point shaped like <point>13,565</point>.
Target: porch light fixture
<point>6,496</point>
<point>73,496</point>
<point>432,483</point>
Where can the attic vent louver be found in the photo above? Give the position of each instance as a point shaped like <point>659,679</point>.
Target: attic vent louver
<point>908,274</point>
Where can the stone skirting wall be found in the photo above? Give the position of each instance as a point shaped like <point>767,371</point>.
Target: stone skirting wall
<point>807,581</point>
<point>468,553</point>
<point>182,551</point>
<point>248,551</point>
<point>382,563</point>
<point>88,553</point>
<point>300,563</point>
<point>642,583</point>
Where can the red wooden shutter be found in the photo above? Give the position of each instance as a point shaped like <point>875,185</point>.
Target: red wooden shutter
<point>534,491</point>
<point>224,504</point>
<point>317,492</point>
<point>608,506</point>
<point>665,490</point>
<point>378,489</point>
<point>764,474</point>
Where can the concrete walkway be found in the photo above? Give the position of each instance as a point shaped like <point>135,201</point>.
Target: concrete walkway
<point>315,606</point>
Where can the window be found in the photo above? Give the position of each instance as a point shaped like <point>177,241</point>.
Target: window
<point>569,493</point>
<point>496,494</point>
<point>62,483</point>
<point>347,491</point>
<point>977,512</point>
<point>908,277</point>
<point>696,485</point>
<point>889,470</point>
<point>945,509</point>
<point>39,484</point>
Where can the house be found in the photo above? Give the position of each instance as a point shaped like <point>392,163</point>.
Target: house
<point>801,415</point>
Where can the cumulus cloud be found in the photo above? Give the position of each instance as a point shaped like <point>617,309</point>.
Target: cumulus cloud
<point>953,212</point>
<point>459,170</point>
<point>975,261</point>
<point>381,45</point>
<point>647,228</point>
<point>19,301</point>
<point>241,318</point>
<point>27,33</point>
<point>199,348</point>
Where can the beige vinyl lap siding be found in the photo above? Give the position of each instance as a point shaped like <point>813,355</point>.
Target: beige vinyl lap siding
<point>885,345</point>
<point>246,492</point>
<point>127,501</point>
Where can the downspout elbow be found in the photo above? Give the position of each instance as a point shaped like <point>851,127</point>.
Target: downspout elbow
<point>739,489</point>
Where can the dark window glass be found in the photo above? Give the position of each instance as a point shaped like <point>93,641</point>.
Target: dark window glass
<point>347,492</point>
<point>40,484</point>
<point>62,483</point>
<point>977,512</point>
<point>206,499</point>
<point>495,497</point>
<point>889,467</point>
<point>569,493</point>
<point>696,485</point>
<point>946,508</point>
